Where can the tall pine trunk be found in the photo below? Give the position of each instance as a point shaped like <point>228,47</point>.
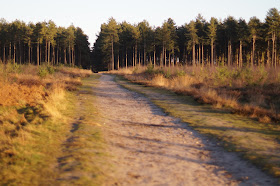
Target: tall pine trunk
<point>202,55</point>
<point>10,51</point>
<point>49,50</point>
<point>169,58</point>
<point>268,53</point>
<point>4,56</point>
<point>38,54</point>
<point>253,52</point>
<point>69,55</point>
<point>112,52</point>
<point>65,60</point>
<point>199,54</point>
<point>126,58</point>
<point>29,52</point>
<point>229,53</point>
<point>73,57</point>
<point>20,53</point>
<point>193,54</point>
<point>118,62</point>
<point>165,56</point>
<point>14,53</point>
<point>46,52</point>
<point>212,52</point>
<point>273,48</point>
<point>240,54</point>
<point>154,57</point>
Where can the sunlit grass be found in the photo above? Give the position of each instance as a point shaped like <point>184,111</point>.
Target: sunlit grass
<point>33,122</point>
<point>255,141</point>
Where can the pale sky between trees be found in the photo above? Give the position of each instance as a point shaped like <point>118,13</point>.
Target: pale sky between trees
<point>90,14</point>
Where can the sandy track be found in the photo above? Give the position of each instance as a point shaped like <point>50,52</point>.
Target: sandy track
<point>150,148</point>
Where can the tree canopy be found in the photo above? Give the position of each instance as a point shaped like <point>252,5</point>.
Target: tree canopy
<point>43,42</point>
<point>199,42</point>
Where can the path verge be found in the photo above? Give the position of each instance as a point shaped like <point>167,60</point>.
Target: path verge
<point>254,141</point>
<point>83,161</point>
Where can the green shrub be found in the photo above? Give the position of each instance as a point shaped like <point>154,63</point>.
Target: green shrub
<point>247,75</point>
<point>50,69</point>
<point>180,73</point>
<point>13,67</point>
<point>263,74</point>
<point>42,72</point>
<point>150,69</point>
<point>168,74</point>
<point>223,75</point>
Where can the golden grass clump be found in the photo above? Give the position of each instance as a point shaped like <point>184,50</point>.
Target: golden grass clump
<point>17,94</point>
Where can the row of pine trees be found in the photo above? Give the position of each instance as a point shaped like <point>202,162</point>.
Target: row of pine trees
<point>43,42</point>
<point>217,42</point>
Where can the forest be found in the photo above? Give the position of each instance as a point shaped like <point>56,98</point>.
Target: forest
<point>43,42</point>
<point>199,42</point>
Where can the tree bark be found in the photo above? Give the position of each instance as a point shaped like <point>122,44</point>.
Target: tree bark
<point>193,54</point>
<point>4,55</point>
<point>38,55</point>
<point>165,56</point>
<point>46,52</point>
<point>253,52</point>
<point>112,52</point>
<point>14,53</point>
<point>73,57</point>
<point>144,56</point>
<point>135,55</point>
<point>229,53</point>
<point>268,53</point>
<point>49,50</point>
<point>126,58</point>
<point>199,55</point>
<point>29,53</point>
<point>202,55</point>
<point>240,54</point>
<point>10,51</point>
<point>118,62</point>
<point>173,60</point>
<point>154,56</point>
<point>212,52</point>
<point>53,55</point>
<point>19,56</point>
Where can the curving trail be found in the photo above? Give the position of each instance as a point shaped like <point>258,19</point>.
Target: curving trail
<point>150,148</point>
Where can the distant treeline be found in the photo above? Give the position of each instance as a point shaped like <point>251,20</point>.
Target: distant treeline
<point>43,42</point>
<point>227,42</point>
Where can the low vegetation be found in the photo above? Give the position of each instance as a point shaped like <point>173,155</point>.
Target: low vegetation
<point>32,123</point>
<point>250,91</point>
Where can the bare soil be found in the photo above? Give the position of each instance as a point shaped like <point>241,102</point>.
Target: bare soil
<point>148,147</point>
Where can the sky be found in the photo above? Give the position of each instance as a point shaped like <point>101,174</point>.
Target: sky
<point>90,14</point>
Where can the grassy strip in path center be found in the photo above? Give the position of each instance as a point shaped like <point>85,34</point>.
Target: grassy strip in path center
<point>255,141</point>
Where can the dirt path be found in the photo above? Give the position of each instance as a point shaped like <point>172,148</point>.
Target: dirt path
<point>150,148</point>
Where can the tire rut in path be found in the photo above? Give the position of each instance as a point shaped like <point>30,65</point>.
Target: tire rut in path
<point>150,148</point>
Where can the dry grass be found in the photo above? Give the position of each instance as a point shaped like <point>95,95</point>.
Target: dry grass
<point>255,141</point>
<point>251,91</point>
<point>32,126</point>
